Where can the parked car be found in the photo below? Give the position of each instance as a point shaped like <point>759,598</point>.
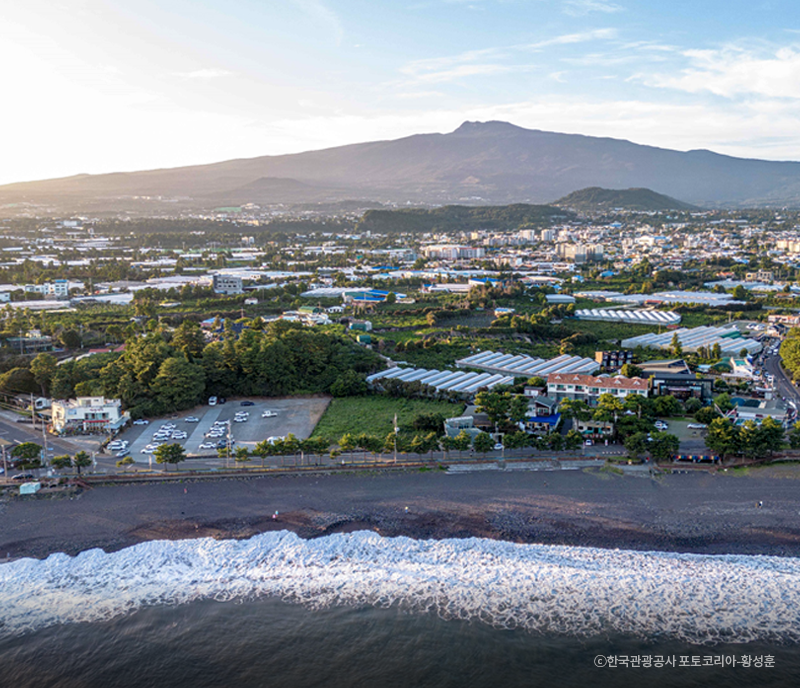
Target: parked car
<point>240,419</point>
<point>661,425</point>
<point>696,426</point>
<point>208,445</point>
<point>222,400</point>
<point>273,440</point>
<point>212,401</point>
<point>23,476</point>
<point>141,421</point>
<point>191,419</point>
<point>149,449</point>
<point>588,443</point>
<point>269,414</point>
<point>247,403</point>
<point>498,447</point>
<point>123,452</point>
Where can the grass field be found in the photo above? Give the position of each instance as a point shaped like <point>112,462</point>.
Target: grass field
<point>374,415</point>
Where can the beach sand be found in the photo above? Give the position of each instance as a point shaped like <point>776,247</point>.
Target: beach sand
<point>701,512</point>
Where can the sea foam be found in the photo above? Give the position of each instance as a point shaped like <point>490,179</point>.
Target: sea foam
<point>548,589</point>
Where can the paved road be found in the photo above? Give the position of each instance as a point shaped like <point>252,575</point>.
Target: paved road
<point>783,384</point>
<point>17,433</point>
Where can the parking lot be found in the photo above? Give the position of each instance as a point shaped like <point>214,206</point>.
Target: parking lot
<point>295,416</point>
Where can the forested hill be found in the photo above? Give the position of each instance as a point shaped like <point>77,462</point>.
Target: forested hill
<point>595,198</point>
<point>461,218</point>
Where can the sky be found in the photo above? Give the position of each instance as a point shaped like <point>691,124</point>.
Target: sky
<point>95,86</point>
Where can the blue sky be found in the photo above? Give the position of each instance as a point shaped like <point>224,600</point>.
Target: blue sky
<point>108,85</point>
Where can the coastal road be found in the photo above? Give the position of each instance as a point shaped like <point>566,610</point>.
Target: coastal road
<point>783,384</point>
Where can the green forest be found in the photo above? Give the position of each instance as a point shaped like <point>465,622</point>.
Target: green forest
<point>169,371</point>
<point>460,218</point>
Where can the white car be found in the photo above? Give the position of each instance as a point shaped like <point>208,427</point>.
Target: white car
<point>179,436</point>
<point>696,426</point>
<point>212,401</point>
<point>240,419</point>
<point>191,419</point>
<point>208,445</point>
<point>273,440</point>
<point>141,421</point>
<point>661,425</point>
<point>149,449</point>
<point>498,447</point>
<point>269,414</point>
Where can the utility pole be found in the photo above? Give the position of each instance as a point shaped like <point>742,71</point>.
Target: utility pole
<point>33,413</point>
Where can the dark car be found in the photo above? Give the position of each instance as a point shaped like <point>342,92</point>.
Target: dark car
<point>23,476</point>
<point>221,400</point>
<point>247,403</point>
<point>223,443</point>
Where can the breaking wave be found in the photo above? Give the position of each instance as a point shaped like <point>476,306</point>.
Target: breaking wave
<point>548,589</point>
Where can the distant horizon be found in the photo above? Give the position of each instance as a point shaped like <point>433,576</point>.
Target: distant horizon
<point>103,86</point>
<point>311,150</point>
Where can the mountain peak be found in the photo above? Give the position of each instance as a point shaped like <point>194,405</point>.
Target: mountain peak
<point>490,127</point>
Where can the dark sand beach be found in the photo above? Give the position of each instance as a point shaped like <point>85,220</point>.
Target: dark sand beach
<point>701,512</point>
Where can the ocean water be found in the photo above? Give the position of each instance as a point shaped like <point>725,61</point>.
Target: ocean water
<point>361,610</point>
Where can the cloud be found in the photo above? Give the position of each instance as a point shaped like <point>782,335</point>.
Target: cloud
<point>571,38</point>
<point>732,72</point>
<point>577,8</point>
<point>324,16</point>
<point>488,61</point>
<point>204,74</point>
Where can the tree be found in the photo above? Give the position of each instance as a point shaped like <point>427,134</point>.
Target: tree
<point>577,409</point>
<point>495,405</point>
<point>636,445</point>
<point>189,339</point>
<point>794,436</point>
<point>43,368</point>
<point>124,462</point>
<point>630,370</point>
<point>722,437</point>
<point>739,293</point>
<point>555,442</point>
<point>241,455</point>
<point>62,462</point>
<point>264,449</point>
<point>706,414</point>
<point>572,440</point>
<point>462,442</point>
<point>723,402</point>
<point>28,454</point>
<point>483,443</point>
<point>666,406</point>
<point>347,443</point>
<point>692,405</point>
<point>179,384</point>
<point>81,460</point>
<point>664,446</point>
<point>170,453</point>
<point>70,339</point>
<point>349,384</point>
<point>675,346</point>
<point>315,446</point>
<point>518,409</point>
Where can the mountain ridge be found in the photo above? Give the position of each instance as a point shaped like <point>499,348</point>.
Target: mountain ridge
<point>479,163</point>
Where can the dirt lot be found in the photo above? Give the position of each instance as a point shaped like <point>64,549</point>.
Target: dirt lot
<point>294,415</point>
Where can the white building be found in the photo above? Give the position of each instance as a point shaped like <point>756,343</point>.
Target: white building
<point>227,284</point>
<point>87,415</point>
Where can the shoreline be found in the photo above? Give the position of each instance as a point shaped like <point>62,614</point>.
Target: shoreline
<point>697,513</point>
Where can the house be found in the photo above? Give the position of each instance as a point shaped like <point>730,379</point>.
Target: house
<point>251,302</point>
<point>543,416</point>
<point>759,409</point>
<point>227,284</point>
<point>613,360</point>
<point>589,388</point>
<point>594,429</point>
<point>361,325</point>
<point>682,386</point>
<point>87,415</point>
